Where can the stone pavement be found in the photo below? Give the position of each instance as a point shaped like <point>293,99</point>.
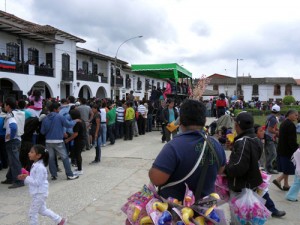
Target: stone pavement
<point>97,196</point>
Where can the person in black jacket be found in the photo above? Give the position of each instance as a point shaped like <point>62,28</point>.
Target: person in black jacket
<point>242,169</point>
<point>287,145</point>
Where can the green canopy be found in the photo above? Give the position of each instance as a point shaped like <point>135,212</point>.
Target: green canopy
<point>170,70</point>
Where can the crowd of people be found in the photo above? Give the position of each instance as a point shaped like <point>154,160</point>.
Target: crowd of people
<point>70,126</point>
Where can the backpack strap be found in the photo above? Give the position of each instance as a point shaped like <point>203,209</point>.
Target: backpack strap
<point>200,183</point>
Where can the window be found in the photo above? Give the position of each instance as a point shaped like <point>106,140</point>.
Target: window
<point>85,67</point>
<point>215,87</point>
<point>127,82</point>
<point>288,89</point>
<point>158,84</point>
<point>65,62</point>
<point>139,84</point>
<point>255,89</point>
<point>118,72</point>
<point>147,84</point>
<point>277,89</point>
<point>13,51</point>
<point>95,69</point>
<point>49,60</point>
<point>239,90</point>
<point>33,56</point>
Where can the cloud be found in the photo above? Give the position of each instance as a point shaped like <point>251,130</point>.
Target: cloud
<point>200,28</point>
<point>107,23</point>
<point>206,37</point>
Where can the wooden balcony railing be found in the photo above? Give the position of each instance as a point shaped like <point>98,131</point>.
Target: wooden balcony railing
<point>86,77</point>
<point>67,75</point>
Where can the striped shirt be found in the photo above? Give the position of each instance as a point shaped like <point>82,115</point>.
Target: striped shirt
<point>120,114</point>
<point>142,110</point>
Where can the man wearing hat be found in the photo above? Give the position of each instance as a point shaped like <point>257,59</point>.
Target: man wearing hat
<point>271,133</point>
<point>242,169</point>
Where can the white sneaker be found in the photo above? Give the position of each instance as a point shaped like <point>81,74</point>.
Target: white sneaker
<point>72,177</point>
<point>103,145</point>
<point>78,172</point>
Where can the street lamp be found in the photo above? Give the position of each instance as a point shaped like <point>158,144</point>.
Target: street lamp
<point>237,74</point>
<point>116,58</point>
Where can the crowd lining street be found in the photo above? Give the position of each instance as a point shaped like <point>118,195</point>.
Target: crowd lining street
<point>97,196</point>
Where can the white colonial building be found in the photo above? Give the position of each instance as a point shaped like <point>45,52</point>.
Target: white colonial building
<point>34,56</point>
<point>248,88</point>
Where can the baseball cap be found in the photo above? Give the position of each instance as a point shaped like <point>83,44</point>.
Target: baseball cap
<point>276,108</point>
<point>244,120</point>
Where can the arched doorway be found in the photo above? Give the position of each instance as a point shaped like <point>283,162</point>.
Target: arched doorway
<point>101,93</point>
<point>9,88</point>
<point>85,92</point>
<point>44,89</point>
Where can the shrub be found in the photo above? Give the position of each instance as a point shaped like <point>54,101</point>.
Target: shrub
<point>288,100</point>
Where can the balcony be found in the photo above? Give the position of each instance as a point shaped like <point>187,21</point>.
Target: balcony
<point>104,79</point>
<point>44,71</point>
<point>85,77</point>
<point>12,67</point>
<point>67,75</point>
<point>119,82</point>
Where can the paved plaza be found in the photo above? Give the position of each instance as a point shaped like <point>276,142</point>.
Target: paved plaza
<point>97,196</point>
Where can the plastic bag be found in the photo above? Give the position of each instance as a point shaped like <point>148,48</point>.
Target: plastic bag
<point>221,187</point>
<point>248,207</point>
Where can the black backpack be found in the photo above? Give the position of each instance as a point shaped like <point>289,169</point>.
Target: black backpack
<point>31,125</point>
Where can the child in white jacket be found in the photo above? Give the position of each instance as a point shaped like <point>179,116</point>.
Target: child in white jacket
<point>292,194</point>
<point>38,186</point>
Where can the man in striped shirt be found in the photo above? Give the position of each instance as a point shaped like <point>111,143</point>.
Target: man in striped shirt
<point>120,120</point>
<point>142,111</point>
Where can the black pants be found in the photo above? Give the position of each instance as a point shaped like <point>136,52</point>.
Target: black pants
<point>269,203</point>
<point>78,146</point>
<point>141,125</point>
<point>119,129</point>
<point>163,128</point>
<point>111,133</point>
<point>3,154</point>
<point>24,159</point>
<point>128,129</point>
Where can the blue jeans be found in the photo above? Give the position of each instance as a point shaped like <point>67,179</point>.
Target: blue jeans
<point>149,123</point>
<point>294,189</point>
<point>98,149</point>
<point>60,149</point>
<point>103,131</point>
<point>14,165</point>
<point>270,152</point>
<point>269,203</point>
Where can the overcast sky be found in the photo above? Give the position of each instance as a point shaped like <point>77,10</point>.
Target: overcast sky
<point>205,37</point>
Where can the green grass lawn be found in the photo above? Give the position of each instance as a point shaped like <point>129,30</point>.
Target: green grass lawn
<point>261,120</point>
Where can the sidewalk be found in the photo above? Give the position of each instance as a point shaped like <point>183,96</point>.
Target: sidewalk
<point>97,196</point>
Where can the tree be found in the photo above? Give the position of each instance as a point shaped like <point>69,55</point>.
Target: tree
<point>288,100</point>
<point>199,87</point>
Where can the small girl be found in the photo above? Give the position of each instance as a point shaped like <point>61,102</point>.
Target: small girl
<point>38,186</point>
<point>37,99</point>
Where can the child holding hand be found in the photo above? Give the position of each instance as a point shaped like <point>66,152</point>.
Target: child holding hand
<point>38,186</point>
